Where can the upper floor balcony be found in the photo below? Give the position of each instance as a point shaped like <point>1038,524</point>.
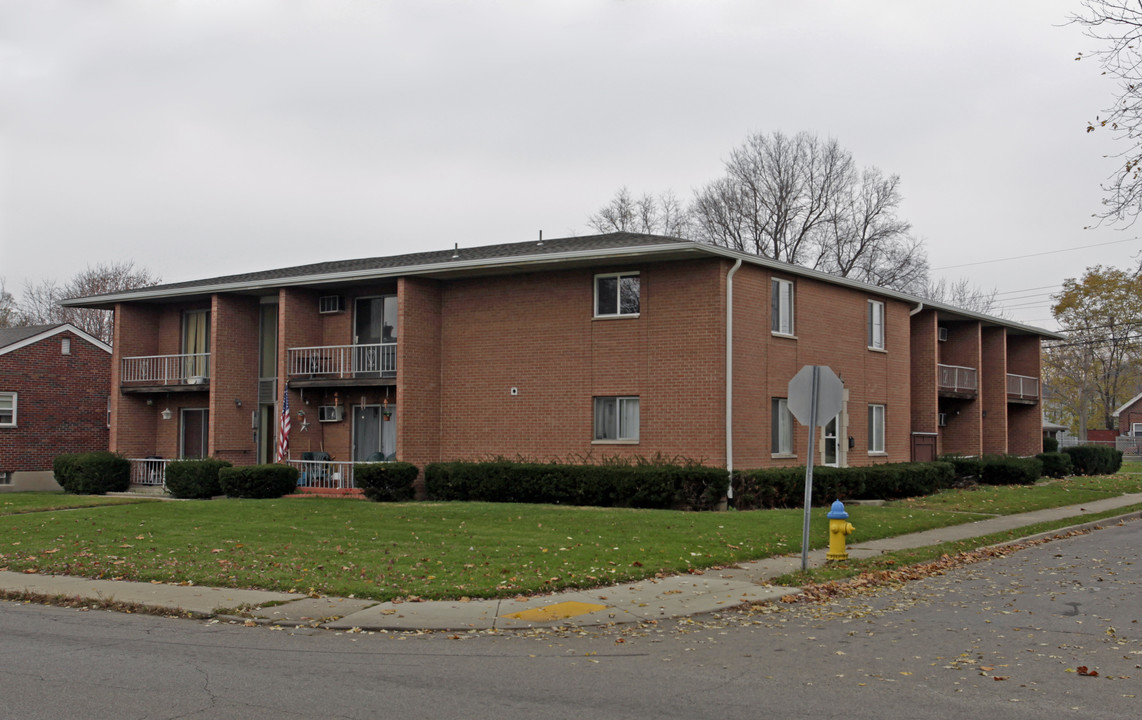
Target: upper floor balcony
<point>186,372</point>
<point>1022,389</point>
<point>957,381</point>
<point>364,364</point>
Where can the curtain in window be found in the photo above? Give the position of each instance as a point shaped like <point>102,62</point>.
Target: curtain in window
<point>196,342</point>
<point>628,418</point>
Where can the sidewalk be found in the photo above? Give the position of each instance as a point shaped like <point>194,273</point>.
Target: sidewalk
<point>676,596</point>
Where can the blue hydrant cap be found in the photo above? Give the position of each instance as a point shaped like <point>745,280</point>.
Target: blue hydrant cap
<point>837,512</point>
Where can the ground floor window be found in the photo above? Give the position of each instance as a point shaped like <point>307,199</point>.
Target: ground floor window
<point>7,409</point>
<point>616,418</point>
<point>876,428</point>
<point>781,423</point>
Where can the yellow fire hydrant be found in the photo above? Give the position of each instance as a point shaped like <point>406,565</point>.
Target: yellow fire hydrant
<point>838,529</point>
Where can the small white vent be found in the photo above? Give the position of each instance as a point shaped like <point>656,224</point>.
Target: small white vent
<point>328,304</point>
<point>942,333</point>
<point>943,419</point>
<point>330,413</point>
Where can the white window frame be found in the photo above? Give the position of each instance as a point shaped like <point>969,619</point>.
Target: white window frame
<point>12,397</point>
<point>621,277</point>
<point>876,428</point>
<point>623,433</point>
<point>781,307</point>
<point>1136,429</point>
<point>875,325</point>
<point>781,432</point>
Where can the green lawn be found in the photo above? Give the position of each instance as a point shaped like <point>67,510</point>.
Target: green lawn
<point>13,503</point>
<point>448,550</point>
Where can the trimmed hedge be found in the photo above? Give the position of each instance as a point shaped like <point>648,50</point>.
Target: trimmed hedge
<point>1094,459</point>
<point>387,482</point>
<point>195,479</point>
<point>1055,464</point>
<point>1009,470</point>
<point>94,473</point>
<point>965,466</point>
<point>642,486</point>
<point>785,487</point>
<point>258,481</point>
<point>1050,445</point>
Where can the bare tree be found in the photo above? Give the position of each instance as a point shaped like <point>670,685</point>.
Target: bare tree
<point>40,302</point>
<point>1118,25</point>
<point>8,310</point>
<point>963,294</point>
<point>662,215</point>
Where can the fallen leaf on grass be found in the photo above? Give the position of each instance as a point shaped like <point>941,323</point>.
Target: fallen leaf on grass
<point>1086,672</point>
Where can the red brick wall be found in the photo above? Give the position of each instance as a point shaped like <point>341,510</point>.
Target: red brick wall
<point>132,420</point>
<point>234,326</point>
<point>61,404</point>
<point>993,389</point>
<point>419,359</point>
<point>964,432</point>
<point>1024,422</point>
<point>925,351</point>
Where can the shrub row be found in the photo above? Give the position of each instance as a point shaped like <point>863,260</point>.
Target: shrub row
<point>195,479</point>
<point>1094,459</point>
<point>643,486</point>
<point>785,487</point>
<point>94,473</point>
<point>258,481</point>
<point>387,482</point>
<point>1010,470</point>
<point>1056,464</point>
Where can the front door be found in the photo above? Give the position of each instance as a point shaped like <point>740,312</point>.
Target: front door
<point>374,433</point>
<point>193,433</point>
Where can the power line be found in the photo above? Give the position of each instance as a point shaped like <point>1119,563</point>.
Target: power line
<point>1048,252</point>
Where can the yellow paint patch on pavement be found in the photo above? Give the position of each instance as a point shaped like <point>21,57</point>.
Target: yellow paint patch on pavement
<point>558,611</point>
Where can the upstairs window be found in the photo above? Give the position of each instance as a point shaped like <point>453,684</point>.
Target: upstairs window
<point>7,409</point>
<point>616,418</point>
<point>617,294</point>
<point>876,324</point>
<point>782,307</point>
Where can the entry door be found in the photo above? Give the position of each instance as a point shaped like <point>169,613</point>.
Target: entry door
<point>374,431</point>
<point>832,450</point>
<point>193,433</point>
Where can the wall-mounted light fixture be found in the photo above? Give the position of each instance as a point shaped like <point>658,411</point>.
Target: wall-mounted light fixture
<point>166,413</point>
<point>237,402</point>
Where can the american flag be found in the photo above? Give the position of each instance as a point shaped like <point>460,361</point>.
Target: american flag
<point>283,429</point>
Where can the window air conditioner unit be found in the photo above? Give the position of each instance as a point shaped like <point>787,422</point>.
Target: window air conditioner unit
<point>196,380</point>
<point>330,413</point>
<point>328,304</point>
<point>942,333</point>
<point>942,420</point>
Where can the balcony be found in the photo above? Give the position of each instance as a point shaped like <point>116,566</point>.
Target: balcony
<point>956,381</point>
<point>1022,389</point>
<point>171,373</point>
<point>329,365</point>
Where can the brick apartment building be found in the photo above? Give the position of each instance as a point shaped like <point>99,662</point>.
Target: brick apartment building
<point>577,348</point>
<point>54,381</point>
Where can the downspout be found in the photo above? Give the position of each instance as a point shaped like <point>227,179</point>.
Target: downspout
<point>730,382</point>
<point>918,308</point>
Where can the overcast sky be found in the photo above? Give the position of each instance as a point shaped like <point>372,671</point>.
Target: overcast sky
<point>205,137</point>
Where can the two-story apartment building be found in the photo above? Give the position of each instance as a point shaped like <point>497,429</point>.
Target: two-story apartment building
<point>576,348</point>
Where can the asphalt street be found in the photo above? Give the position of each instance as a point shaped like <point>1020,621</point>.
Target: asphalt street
<point>1052,631</point>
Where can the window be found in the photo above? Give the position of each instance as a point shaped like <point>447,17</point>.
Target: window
<point>616,418</point>
<point>616,294</point>
<point>5,478</point>
<point>196,342</point>
<point>7,409</point>
<point>782,427</point>
<point>65,346</point>
<point>876,324</point>
<point>782,306</point>
<point>876,428</point>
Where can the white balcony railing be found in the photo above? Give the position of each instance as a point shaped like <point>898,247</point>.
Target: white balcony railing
<point>325,474</point>
<point>343,361</point>
<point>186,369</point>
<point>956,378</point>
<point>149,471</point>
<point>1022,387</point>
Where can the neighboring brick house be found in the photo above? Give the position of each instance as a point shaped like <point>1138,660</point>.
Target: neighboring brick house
<point>54,381</point>
<point>578,348</point>
<point>1130,417</point>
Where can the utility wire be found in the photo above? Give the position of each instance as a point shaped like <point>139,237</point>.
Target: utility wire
<point>1048,252</point>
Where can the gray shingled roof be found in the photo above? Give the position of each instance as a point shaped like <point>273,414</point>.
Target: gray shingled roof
<point>13,335</point>
<point>391,262</point>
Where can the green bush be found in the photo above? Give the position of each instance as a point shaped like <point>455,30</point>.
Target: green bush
<point>1050,445</point>
<point>1094,459</point>
<point>1055,464</point>
<point>387,482</point>
<point>964,467</point>
<point>195,479</point>
<point>642,485</point>
<point>258,481</point>
<point>1009,470</point>
<point>785,487</point>
<point>95,473</point>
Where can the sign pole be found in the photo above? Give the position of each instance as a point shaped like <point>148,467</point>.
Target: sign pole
<point>809,467</point>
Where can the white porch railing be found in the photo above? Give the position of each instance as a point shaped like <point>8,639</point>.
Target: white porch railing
<point>343,361</point>
<point>957,378</point>
<point>1022,387</point>
<point>149,471</point>
<point>186,369</point>
<point>326,474</point>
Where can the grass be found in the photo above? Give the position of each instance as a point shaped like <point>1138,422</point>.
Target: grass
<point>451,550</point>
<point>15,503</point>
